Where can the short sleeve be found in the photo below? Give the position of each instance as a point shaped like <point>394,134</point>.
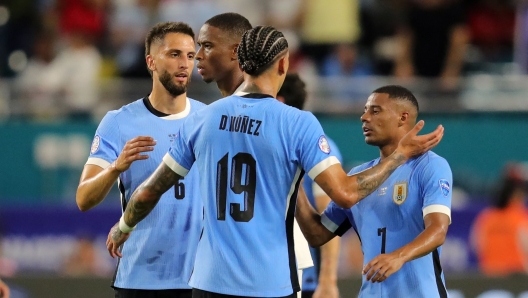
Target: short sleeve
<point>181,157</point>
<point>336,219</point>
<point>314,151</point>
<point>106,142</point>
<point>436,182</point>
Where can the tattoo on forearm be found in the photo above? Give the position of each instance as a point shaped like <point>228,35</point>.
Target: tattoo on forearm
<point>370,180</point>
<point>147,195</point>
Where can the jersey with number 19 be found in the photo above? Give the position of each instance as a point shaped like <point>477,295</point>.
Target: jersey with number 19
<point>393,216</point>
<point>251,152</point>
<point>159,254</point>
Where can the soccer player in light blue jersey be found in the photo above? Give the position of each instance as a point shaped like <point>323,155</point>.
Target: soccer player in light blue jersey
<point>403,224</point>
<point>319,281</point>
<point>251,152</point>
<point>128,145</point>
<point>218,41</point>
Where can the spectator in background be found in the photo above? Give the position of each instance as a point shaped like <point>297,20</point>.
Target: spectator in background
<point>324,26</point>
<point>521,36</point>
<point>86,16</point>
<point>37,98</point>
<point>492,23</point>
<point>4,290</point>
<point>500,233</point>
<point>433,41</point>
<point>344,62</point>
<point>85,261</point>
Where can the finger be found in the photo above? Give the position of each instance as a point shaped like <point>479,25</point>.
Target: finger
<point>417,127</point>
<point>381,274</point>
<point>141,144</point>
<point>367,267</point>
<point>141,138</point>
<point>373,270</point>
<point>109,247</point>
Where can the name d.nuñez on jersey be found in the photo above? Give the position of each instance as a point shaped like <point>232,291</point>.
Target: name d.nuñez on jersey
<point>242,124</point>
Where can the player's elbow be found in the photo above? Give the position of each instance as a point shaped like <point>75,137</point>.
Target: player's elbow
<point>345,200</point>
<point>82,200</point>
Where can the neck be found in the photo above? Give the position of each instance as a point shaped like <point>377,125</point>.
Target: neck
<point>388,149</point>
<point>263,84</point>
<point>229,85</point>
<point>164,102</point>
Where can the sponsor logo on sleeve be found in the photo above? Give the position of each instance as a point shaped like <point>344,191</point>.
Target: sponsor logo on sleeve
<point>323,144</point>
<point>95,144</point>
<point>444,186</point>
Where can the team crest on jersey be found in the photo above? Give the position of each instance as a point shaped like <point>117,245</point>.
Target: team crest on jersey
<point>323,144</point>
<point>95,144</point>
<point>444,186</point>
<point>399,193</point>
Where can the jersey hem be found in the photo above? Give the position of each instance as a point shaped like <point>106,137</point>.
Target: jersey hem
<point>328,223</point>
<point>97,161</point>
<point>174,165</point>
<point>322,165</point>
<point>437,208</point>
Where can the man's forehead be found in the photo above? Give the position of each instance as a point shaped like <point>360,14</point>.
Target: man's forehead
<point>178,41</point>
<point>211,33</point>
<point>378,99</point>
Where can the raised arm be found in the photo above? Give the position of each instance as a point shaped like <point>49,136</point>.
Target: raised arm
<point>97,180</point>
<point>346,191</point>
<point>143,200</point>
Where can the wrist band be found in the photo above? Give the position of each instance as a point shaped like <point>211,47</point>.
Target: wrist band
<point>123,227</point>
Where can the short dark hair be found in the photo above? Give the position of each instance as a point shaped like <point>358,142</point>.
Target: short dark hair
<point>259,48</point>
<point>399,93</point>
<point>230,22</point>
<point>294,91</point>
<point>158,32</point>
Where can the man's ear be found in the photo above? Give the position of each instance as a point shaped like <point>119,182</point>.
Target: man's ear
<point>151,64</point>
<point>404,118</point>
<point>283,65</point>
<point>234,55</point>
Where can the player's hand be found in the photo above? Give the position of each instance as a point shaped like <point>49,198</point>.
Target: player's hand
<point>413,144</point>
<point>326,290</point>
<point>132,152</point>
<point>4,290</point>
<point>382,266</point>
<point>115,239</point>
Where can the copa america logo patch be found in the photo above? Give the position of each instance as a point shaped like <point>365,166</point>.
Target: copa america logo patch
<point>444,186</point>
<point>95,144</point>
<point>323,144</point>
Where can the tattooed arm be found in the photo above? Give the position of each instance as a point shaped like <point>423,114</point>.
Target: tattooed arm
<point>346,191</point>
<point>143,200</point>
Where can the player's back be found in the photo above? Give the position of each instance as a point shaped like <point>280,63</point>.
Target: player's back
<point>252,149</point>
<point>159,254</point>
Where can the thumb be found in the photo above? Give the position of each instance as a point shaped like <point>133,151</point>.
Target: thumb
<point>418,127</point>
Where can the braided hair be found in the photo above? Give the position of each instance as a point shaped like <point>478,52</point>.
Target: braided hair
<point>259,48</point>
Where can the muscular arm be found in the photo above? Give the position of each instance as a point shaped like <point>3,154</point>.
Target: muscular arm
<point>147,195</point>
<point>346,191</point>
<point>96,182</point>
<point>329,258</point>
<point>310,222</point>
<point>384,265</point>
<point>94,185</point>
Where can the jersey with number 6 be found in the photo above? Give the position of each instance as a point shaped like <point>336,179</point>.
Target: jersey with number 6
<point>251,152</point>
<point>160,252</point>
<point>392,216</point>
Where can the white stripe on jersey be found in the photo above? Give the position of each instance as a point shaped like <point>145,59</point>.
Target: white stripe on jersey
<point>292,189</point>
<point>174,165</point>
<point>181,114</point>
<point>330,225</point>
<point>437,208</point>
<point>98,162</point>
<point>322,165</point>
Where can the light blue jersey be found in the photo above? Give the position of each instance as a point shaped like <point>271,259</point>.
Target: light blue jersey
<point>392,216</point>
<point>311,275</point>
<point>251,152</point>
<point>160,252</point>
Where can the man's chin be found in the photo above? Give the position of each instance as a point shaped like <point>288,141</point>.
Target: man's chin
<point>207,80</point>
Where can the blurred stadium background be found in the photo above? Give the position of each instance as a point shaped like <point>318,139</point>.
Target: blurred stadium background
<point>65,63</point>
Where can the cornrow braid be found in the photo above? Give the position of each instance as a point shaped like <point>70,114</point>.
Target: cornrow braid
<point>258,49</point>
